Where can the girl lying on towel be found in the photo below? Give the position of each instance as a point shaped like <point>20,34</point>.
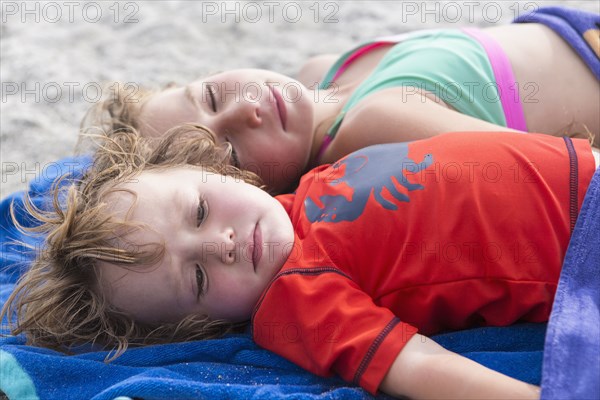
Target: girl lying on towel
<point>538,77</point>
<point>164,240</point>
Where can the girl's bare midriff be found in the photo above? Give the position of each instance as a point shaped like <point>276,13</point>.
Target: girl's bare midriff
<point>557,89</point>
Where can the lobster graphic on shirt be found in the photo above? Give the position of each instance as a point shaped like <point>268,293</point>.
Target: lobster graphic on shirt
<point>367,172</point>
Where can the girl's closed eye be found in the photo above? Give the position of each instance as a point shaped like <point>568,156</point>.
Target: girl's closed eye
<point>202,212</point>
<point>211,93</point>
<point>234,157</point>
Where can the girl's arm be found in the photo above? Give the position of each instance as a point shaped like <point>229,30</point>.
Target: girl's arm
<point>399,114</point>
<point>425,370</point>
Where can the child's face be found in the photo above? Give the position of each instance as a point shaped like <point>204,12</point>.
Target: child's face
<point>267,118</point>
<point>224,241</point>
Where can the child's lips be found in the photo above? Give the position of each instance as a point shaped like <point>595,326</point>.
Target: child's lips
<point>281,109</point>
<point>256,246</point>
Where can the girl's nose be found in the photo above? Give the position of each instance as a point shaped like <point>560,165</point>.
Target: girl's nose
<point>250,110</point>
<point>239,115</point>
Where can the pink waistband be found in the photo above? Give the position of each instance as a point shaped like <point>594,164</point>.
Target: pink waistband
<point>505,79</point>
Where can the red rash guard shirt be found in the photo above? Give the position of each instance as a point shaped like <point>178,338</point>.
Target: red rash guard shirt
<point>457,231</point>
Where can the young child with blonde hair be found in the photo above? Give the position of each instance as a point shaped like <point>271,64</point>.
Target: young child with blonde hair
<point>167,241</point>
<point>524,77</point>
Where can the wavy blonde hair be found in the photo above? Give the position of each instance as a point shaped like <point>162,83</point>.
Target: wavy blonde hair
<point>119,110</point>
<point>57,302</point>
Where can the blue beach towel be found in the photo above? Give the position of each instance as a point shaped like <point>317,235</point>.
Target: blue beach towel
<point>580,29</point>
<point>234,367</point>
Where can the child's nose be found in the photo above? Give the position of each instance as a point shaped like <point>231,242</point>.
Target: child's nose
<point>229,250</point>
<point>229,257</point>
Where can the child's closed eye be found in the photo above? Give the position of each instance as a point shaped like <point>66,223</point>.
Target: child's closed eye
<point>200,281</point>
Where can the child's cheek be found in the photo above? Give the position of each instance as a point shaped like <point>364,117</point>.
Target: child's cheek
<point>231,296</point>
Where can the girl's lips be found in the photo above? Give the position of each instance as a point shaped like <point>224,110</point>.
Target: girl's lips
<point>257,246</point>
<point>281,109</point>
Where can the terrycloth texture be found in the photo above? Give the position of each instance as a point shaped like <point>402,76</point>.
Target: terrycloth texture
<point>572,351</point>
<point>233,367</point>
<point>579,28</point>
<point>229,368</point>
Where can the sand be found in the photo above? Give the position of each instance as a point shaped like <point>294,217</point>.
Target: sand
<point>57,56</point>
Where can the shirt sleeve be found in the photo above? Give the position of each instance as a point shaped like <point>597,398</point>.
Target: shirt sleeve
<point>321,320</point>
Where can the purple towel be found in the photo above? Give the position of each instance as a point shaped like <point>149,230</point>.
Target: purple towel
<point>571,366</point>
<point>574,26</point>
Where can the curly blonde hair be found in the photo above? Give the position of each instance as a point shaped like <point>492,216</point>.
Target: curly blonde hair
<point>57,302</point>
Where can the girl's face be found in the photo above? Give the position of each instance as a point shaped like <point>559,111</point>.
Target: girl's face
<point>224,241</point>
<point>267,118</point>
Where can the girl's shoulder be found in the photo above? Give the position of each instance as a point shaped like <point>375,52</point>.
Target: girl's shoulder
<point>315,68</point>
<point>382,117</point>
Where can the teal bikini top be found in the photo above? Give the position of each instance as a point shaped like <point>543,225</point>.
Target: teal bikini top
<point>448,63</point>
